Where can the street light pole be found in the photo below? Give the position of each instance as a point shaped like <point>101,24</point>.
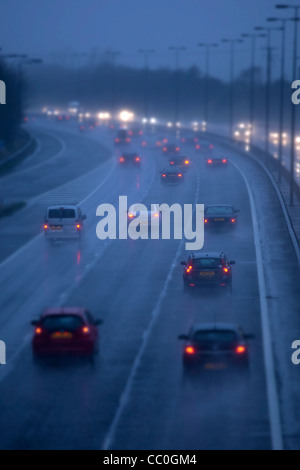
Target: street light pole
<point>207,63</point>
<point>252,80</point>
<point>177,51</point>
<point>232,43</point>
<point>281,98</point>
<point>146,53</point>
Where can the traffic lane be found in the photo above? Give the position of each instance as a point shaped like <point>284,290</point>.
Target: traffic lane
<point>78,156</point>
<point>220,411</point>
<point>121,283</point>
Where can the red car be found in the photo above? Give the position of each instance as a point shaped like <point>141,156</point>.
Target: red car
<point>65,331</point>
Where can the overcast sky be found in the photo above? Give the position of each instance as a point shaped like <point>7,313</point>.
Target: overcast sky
<point>43,27</point>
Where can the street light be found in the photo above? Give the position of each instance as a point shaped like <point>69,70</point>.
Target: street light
<point>177,50</point>
<point>146,53</point>
<point>268,82</point>
<point>281,99</point>
<point>232,43</point>
<point>253,37</point>
<point>293,108</point>
<point>208,47</point>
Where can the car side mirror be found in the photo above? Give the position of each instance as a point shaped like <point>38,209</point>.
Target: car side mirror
<point>249,336</point>
<point>231,262</point>
<point>183,263</point>
<point>34,322</point>
<point>84,217</point>
<point>98,321</point>
<point>185,337</point>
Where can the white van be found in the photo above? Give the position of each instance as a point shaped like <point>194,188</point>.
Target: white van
<point>63,222</point>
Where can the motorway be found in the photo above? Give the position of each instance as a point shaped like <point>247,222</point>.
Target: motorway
<point>134,396</point>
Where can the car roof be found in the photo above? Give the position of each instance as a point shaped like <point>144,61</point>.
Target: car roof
<point>79,311</point>
<point>216,326</point>
<point>210,254</point>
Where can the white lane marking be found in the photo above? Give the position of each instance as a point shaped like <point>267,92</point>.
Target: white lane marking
<point>273,402</point>
<point>124,399</point>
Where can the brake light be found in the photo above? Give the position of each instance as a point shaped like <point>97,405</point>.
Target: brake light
<point>171,163</point>
<point>122,159</point>
<point>85,330</point>
<point>179,175</point>
<point>240,349</point>
<point>38,330</point>
<point>163,175</point>
<point>225,270</point>
<point>45,226</point>
<point>130,216</point>
<point>144,143</point>
<point>130,132</point>
<point>209,162</point>
<point>165,141</point>
<point>177,149</point>
<point>137,159</point>
<point>117,140</point>
<point>211,146</point>
<point>186,162</point>
<point>127,139</point>
<point>188,269</point>
<point>156,214</point>
<point>165,149</point>
<point>233,220</point>
<point>206,221</point>
<point>190,350</point>
<point>224,160</point>
<point>78,226</point>
<point>197,146</point>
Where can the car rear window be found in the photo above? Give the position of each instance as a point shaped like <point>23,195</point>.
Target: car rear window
<point>206,262</point>
<point>62,322</point>
<point>219,210</point>
<point>61,214</point>
<point>215,336</point>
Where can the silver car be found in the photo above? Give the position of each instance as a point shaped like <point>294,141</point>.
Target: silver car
<point>63,222</point>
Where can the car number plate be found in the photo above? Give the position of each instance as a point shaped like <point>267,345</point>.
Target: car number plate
<point>219,219</point>
<point>207,273</point>
<point>56,227</point>
<point>215,366</point>
<point>62,335</point>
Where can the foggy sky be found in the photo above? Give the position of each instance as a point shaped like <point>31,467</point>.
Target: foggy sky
<point>43,27</point>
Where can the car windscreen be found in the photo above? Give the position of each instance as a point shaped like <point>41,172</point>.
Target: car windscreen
<point>215,336</point>
<point>62,322</point>
<point>206,263</point>
<point>61,214</point>
<point>219,210</point>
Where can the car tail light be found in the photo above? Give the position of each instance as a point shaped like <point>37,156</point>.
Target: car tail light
<point>177,149</point>
<point>156,214</point>
<point>211,146</point>
<point>158,143</point>
<point>165,141</point>
<point>163,175</point>
<point>224,160</point>
<point>78,226</point>
<point>130,132</point>
<point>179,175</point>
<point>130,216</point>
<point>188,269</point>
<point>206,221</point>
<point>85,330</point>
<point>186,162</point>
<point>233,221</point>
<point>45,227</point>
<point>144,143</point>
<point>127,139</point>
<point>117,140</point>
<point>141,132</point>
<point>209,162</point>
<point>171,163</point>
<point>165,149</point>
<point>240,349</point>
<point>226,270</point>
<point>38,330</point>
<point>197,146</point>
<point>122,159</point>
<point>190,350</point>
<point>137,159</point>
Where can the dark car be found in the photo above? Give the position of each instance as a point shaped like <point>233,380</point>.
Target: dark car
<point>65,331</point>
<point>216,161</point>
<point>220,215</point>
<point>62,117</point>
<point>130,158</point>
<point>190,140</point>
<point>172,175</point>
<point>135,132</point>
<point>215,346</point>
<point>122,137</point>
<point>204,148</point>
<point>171,149</point>
<point>181,162</point>
<point>207,269</point>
